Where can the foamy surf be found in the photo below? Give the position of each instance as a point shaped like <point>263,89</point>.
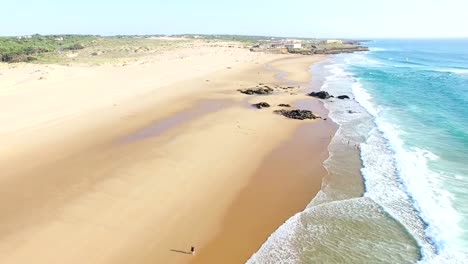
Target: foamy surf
<point>453,70</point>
<point>336,232</point>
<point>339,226</point>
<point>418,181</point>
<point>413,162</point>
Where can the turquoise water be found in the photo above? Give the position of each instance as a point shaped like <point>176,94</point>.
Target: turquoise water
<point>403,198</point>
<point>418,93</point>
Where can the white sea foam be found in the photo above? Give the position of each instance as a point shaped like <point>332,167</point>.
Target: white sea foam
<point>425,188</point>
<point>364,98</point>
<point>362,59</point>
<point>336,70</point>
<point>293,238</point>
<point>452,70</point>
<point>326,234</point>
<point>423,185</point>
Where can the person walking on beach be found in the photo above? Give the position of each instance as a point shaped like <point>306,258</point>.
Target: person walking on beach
<point>192,250</point>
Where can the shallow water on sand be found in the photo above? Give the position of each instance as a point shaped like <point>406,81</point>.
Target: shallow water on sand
<point>200,108</point>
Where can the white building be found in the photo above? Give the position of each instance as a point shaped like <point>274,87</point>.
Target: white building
<point>293,45</point>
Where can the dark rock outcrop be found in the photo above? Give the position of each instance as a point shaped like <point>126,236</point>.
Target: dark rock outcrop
<point>337,50</point>
<point>342,97</point>
<point>321,95</point>
<point>296,114</point>
<point>284,105</point>
<point>329,49</point>
<point>261,105</point>
<point>266,90</point>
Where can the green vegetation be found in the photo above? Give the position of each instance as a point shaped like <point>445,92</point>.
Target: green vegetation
<point>89,49</point>
<point>82,48</point>
<point>27,48</point>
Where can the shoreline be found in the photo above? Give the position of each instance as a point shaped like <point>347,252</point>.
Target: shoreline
<point>236,240</point>
<point>294,181</point>
<point>72,176</point>
<point>345,211</point>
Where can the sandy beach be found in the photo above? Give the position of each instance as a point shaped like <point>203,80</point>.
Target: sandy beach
<point>137,162</point>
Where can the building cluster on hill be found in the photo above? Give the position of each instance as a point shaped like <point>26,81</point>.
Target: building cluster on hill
<point>279,44</point>
<point>295,43</point>
<point>307,46</point>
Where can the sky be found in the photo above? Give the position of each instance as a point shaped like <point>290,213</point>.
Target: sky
<point>288,18</point>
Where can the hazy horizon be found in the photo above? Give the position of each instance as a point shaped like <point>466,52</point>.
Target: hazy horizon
<point>360,19</point>
<point>226,34</point>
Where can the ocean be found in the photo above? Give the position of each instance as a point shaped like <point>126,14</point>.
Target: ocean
<point>397,189</point>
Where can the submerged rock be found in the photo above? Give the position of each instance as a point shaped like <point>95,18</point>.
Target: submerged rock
<point>284,105</point>
<point>321,95</point>
<point>261,105</point>
<point>266,90</point>
<point>296,114</point>
<point>342,97</point>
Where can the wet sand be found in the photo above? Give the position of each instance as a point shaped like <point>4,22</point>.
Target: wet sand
<point>283,185</point>
<point>96,172</point>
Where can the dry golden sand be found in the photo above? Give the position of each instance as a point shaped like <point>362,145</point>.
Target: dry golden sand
<point>132,164</point>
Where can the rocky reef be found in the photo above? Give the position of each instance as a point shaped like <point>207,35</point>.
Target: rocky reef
<point>299,114</point>
<point>342,97</point>
<point>326,95</point>
<point>296,114</point>
<point>265,90</point>
<point>321,95</point>
<point>329,50</point>
<point>338,50</point>
<point>261,105</point>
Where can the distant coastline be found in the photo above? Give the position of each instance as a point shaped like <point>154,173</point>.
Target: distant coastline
<point>94,49</point>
